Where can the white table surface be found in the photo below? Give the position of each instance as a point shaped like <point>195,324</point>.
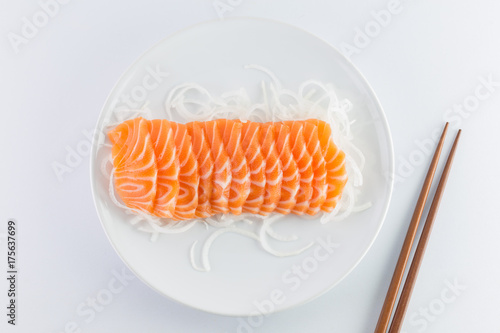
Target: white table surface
<point>428,58</point>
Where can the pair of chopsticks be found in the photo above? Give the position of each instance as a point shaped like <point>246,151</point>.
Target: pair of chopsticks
<point>390,299</point>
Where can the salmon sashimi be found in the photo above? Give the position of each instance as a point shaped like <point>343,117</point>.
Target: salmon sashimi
<point>336,174</point>
<point>318,165</point>
<point>304,164</point>
<point>200,169</point>
<point>167,182</point>
<point>291,177</point>
<point>187,200</point>
<point>274,173</point>
<point>250,134</point>
<point>221,178</point>
<point>134,164</point>
<point>203,155</point>
<point>230,131</point>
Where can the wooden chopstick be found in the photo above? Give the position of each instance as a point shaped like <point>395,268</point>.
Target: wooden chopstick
<point>404,299</point>
<point>397,277</point>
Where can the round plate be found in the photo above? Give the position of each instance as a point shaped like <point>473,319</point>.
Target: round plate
<point>244,279</point>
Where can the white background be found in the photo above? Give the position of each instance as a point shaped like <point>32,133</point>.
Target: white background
<point>427,58</point>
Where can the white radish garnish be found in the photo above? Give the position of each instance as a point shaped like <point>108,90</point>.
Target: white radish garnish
<point>313,99</point>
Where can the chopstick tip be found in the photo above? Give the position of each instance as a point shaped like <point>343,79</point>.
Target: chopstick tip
<point>443,135</point>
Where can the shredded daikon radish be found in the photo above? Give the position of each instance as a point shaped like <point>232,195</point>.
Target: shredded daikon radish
<point>208,243</point>
<point>313,99</point>
<point>267,247</point>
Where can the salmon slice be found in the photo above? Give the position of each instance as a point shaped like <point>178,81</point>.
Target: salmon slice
<point>205,167</point>
<point>304,164</point>
<point>221,178</point>
<point>274,173</point>
<point>318,165</point>
<point>336,174</point>
<point>134,164</point>
<point>291,177</point>
<point>189,178</point>
<point>167,182</point>
<point>250,133</point>
<point>230,131</point>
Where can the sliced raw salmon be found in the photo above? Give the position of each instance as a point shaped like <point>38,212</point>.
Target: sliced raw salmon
<point>167,182</point>
<point>304,163</point>
<point>250,134</point>
<point>318,165</point>
<point>291,177</point>
<point>274,173</point>
<point>221,177</point>
<point>336,174</point>
<point>134,164</point>
<point>230,131</point>
<point>178,171</point>
<point>189,178</point>
<point>203,155</point>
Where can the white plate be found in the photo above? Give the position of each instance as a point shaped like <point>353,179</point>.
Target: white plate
<point>245,279</point>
